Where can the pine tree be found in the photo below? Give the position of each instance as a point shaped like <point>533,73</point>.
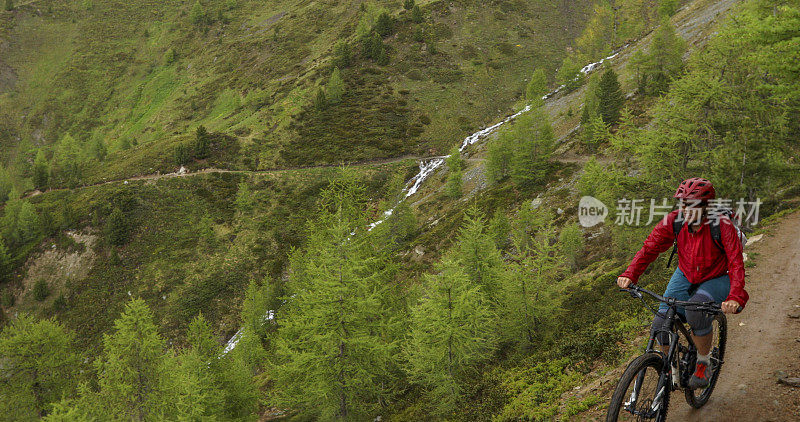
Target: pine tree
<point>68,160</point>
<point>132,366</point>
<point>453,186</point>
<point>202,143</point>
<point>320,102</point>
<point>668,8</point>
<point>342,56</point>
<point>499,156</point>
<point>571,243</point>
<point>454,179</point>
<point>452,331</point>
<point>590,100</point>
<point>5,184</point>
<point>39,366</point>
<point>28,223</point>
<point>334,350</point>
<point>478,255</point>
<point>534,143</point>
<point>569,74</point>
<point>536,87</point>
<point>529,291</point>
<point>198,14</point>
<point>335,87</point>
<point>9,224</point>
<point>41,171</point>
<point>116,228</point>
<point>5,261</point>
<point>383,26</point>
<point>610,97</point>
<point>225,383</point>
<point>245,198</point>
<point>416,14</point>
<point>664,61</point>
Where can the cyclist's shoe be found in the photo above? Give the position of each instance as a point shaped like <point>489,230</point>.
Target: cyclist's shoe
<point>701,376</point>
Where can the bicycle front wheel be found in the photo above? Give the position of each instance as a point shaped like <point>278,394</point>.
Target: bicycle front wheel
<point>642,392</point>
<point>698,398</point>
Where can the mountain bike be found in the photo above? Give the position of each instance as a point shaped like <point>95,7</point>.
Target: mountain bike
<point>643,390</point>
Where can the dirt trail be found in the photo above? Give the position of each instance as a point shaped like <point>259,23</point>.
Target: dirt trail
<point>763,339</point>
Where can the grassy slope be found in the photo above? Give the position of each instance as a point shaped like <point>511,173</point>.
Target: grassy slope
<point>103,72</point>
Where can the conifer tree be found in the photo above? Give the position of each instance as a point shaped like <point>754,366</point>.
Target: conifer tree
<point>39,366</point>
<point>478,255</point>
<point>569,74</point>
<point>335,87</point>
<point>383,26</point>
<point>245,199</point>
<point>334,352</point>
<point>529,290</point>
<point>534,143</point>
<point>5,185</point>
<point>610,97</point>
<point>320,102</point>
<point>202,143</point>
<point>198,14</point>
<point>536,87</point>
<point>116,228</point>
<point>455,166</point>
<point>571,243</point>
<point>666,57</point>
<point>41,170</point>
<point>132,366</point>
<point>9,5</point>
<point>342,54</point>
<point>452,331</point>
<point>5,261</point>
<point>499,156</point>
<point>207,238</point>
<point>416,14</point>
<point>408,4</point>
<point>28,223</point>
<point>590,100</point>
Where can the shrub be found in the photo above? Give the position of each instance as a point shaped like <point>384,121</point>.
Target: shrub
<point>40,290</point>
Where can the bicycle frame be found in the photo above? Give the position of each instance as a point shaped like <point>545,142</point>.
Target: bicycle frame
<point>664,382</point>
<point>673,327</point>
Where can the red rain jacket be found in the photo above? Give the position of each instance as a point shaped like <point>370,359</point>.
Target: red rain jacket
<point>698,257</point>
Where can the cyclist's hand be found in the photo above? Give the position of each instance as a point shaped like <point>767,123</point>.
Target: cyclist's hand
<point>624,282</point>
<point>730,306</point>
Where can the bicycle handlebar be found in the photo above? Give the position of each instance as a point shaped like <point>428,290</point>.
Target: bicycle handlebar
<point>713,307</point>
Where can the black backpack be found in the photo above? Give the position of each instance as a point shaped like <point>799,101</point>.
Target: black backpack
<point>716,232</point>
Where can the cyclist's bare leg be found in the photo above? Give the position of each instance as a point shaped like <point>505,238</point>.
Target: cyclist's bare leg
<point>703,343</point>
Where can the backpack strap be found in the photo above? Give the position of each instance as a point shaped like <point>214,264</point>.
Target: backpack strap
<point>716,235</point>
<point>677,225</point>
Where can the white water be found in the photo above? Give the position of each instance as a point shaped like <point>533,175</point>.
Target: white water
<point>426,168</point>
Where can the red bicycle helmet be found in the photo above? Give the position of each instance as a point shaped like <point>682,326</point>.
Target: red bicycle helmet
<point>695,188</point>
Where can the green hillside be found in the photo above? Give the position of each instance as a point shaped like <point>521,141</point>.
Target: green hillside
<point>264,237</point>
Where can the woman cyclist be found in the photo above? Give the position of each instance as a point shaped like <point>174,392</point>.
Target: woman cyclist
<point>704,273</point>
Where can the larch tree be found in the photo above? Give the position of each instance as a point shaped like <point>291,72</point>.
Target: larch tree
<point>335,87</point>
<point>453,329</point>
<point>610,97</point>
<point>39,367</point>
<point>533,145</point>
<point>334,353</point>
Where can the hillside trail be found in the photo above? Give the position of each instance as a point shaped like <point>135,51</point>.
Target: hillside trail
<point>763,340</point>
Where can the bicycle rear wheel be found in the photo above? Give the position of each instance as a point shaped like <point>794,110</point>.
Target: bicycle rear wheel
<point>699,397</point>
<point>641,394</point>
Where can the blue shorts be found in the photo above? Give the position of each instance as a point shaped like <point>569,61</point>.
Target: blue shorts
<point>680,288</point>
